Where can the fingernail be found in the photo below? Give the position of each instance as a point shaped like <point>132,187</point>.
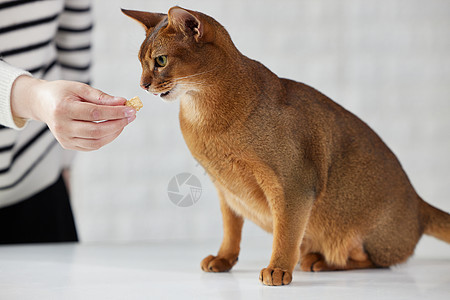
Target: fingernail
<point>129,112</point>
<point>131,119</point>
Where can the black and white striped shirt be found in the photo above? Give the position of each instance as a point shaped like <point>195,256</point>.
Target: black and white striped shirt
<point>50,40</point>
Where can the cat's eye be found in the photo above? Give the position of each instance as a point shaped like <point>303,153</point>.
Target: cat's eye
<point>161,61</point>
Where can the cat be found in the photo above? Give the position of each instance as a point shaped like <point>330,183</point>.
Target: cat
<point>282,155</point>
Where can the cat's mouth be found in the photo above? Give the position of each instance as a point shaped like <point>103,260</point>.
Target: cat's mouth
<point>168,95</point>
<point>162,95</point>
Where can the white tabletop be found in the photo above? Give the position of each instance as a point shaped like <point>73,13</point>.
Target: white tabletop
<point>171,270</point>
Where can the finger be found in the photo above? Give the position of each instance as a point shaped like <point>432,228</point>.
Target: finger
<point>84,111</point>
<point>95,144</point>
<point>91,130</point>
<point>92,95</point>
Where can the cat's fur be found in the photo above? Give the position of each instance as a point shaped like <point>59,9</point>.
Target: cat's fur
<point>284,156</point>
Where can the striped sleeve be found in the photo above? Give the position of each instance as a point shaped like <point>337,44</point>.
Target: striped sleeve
<point>8,75</point>
<point>73,40</point>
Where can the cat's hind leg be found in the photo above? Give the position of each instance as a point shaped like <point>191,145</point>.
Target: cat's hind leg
<point>357,258</point>
<point>315,262</point>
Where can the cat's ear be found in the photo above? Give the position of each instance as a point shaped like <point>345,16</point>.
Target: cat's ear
<point>146,19</point>
<point>191,23</point>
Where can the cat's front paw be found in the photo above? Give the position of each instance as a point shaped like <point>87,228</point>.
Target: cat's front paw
<point>217,264</point>
<point>275,276</point>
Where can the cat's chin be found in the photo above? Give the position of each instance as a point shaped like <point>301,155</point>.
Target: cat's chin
<point>169,96</point>
<point>175,93</point>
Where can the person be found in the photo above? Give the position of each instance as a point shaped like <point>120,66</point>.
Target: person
<point>42,119</point>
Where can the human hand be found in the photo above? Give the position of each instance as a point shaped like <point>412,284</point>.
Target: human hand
<point>79,116</point>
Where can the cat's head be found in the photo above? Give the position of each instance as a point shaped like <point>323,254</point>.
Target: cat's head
<point>179,51</point>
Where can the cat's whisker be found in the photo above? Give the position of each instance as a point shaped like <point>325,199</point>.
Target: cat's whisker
<point>198,74</point>
<point>183,82</point>
<point>192,82</point>
<point>195,84</point>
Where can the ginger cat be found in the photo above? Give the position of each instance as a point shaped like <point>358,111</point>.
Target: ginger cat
<point>283,155</point>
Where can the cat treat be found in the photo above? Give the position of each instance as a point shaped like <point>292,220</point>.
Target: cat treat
<point>135,102</point>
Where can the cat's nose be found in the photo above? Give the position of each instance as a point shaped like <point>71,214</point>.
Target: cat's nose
<point>145,85</point>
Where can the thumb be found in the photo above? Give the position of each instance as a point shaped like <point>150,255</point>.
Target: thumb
<point>92,95</point>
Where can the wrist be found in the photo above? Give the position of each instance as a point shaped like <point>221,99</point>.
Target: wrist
<point>23,98</point>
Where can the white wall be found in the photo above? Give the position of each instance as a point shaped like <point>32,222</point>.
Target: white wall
<point>387,61</point>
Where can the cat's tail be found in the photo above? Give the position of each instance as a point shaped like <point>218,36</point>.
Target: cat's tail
<point>435,221</point>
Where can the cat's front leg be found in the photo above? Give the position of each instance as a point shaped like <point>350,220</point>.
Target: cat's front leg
<point>228,253</point>
<point>290,217</point>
